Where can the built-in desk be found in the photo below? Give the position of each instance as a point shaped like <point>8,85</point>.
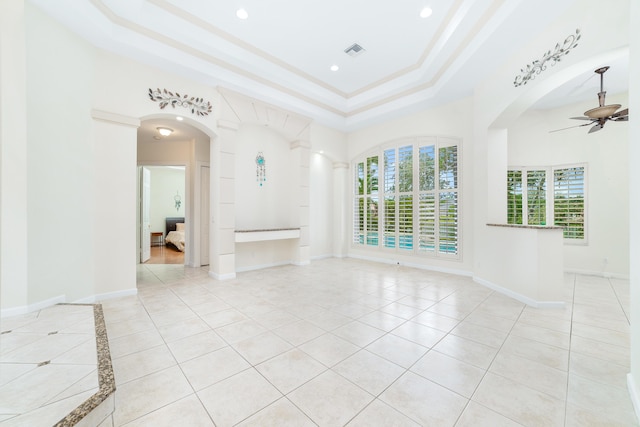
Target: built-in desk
<point>266,234</point>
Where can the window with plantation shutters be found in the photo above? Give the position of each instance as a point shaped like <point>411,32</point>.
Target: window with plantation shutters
<point>514,197</point>
<point>531,201</point>
<point>417,210</point>
<point>372,211</point>
<point>568,201</point>
<point>405,197</point>
<point>536,197</point>
<point>365,206</point>
<point>390,205</point>
<point>448,203</point>
<point>358,205</point>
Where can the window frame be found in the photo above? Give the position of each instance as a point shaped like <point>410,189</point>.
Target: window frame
<point>385,194</point>
<point>550,199</point>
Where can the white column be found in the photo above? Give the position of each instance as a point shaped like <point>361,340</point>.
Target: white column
<point>497,159</point>
<point>634,203</point>
<point>222,261</point>
<point>14,286</point>
<point>341,204</point>
<point>301,155</point>
<point>115,147</point>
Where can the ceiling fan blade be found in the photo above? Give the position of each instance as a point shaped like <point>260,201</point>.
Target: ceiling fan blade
<point>621,119</point>
<point>624,112</point>
<point>581,118</point>
<point>595,128</point>
<point>570,127</point>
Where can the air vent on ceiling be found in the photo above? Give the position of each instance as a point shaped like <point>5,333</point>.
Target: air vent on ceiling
<point>354,50</point>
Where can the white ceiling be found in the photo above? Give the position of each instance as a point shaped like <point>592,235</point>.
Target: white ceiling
<point>283,52</point>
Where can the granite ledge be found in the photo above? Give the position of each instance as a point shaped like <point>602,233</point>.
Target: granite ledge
<point>106,379</point>
<point>535,227</point>
<point>259,230</point>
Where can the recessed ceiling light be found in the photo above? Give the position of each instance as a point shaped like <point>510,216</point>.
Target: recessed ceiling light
<point>179,118</point>
<point>242,14</point>
<point>334,67</point>
<point>426,12</point>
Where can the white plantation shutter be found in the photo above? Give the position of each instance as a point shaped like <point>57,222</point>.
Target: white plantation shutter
<point>390,205</point>
<point>417,208</point>
<point>358,205</point>
<point>448,216</point>
<point>568,201</point>
<point>405,222</point>
<point>390,208</point>
<point>405,197</point>
<point>448,199</point>
<point>530,201</point>
<point>372,211</point>
<point>427,228</point>
<point>514,197</point>
<point>536,197</point>
<point>427,201</point>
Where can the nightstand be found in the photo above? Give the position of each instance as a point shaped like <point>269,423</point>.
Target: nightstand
<point>157,238</point>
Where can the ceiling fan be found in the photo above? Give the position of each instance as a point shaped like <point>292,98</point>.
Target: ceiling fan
<point>600,115</point>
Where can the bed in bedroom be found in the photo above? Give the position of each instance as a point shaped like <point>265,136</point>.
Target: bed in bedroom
<point>174,228</point>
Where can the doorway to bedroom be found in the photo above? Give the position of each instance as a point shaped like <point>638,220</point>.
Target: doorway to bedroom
<point>162,214</point>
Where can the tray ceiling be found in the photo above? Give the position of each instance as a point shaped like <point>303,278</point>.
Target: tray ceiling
<point>283,52</point>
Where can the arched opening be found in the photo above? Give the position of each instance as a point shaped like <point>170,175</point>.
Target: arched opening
<point>180,161</point>
<point>518,135</point>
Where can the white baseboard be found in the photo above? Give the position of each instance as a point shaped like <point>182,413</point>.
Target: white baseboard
<point>519,297</point>
<point>15,311</point>
<point>222,276</point>
<point>109,295</point>
<point>634,395</point>
<point>455,271</point>
<point>262,266</point>
<point>604,274</point>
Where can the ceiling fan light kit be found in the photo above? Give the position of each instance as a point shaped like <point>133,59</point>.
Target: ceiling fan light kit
<point>602,113</point>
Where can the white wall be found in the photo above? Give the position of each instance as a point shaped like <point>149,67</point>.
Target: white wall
<point>451,120</point>
<point>269,205</point>
<point>13,158</point>
<point>82,106</point>
<point>61,188</point>
<point>274,204</point>
<point>604,152</point>
<point>165,182</point>
<point>634,194</point>
<point>332,143</point>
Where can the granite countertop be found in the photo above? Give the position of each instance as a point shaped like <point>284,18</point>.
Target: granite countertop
<point>536,227</point>
<point>267,229</point>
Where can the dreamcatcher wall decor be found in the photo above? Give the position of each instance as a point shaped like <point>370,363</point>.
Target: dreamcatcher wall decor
<point>178,200</point>
<point>261,169</point>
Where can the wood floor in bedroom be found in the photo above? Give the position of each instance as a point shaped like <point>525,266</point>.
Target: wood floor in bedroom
<point>166,254</point>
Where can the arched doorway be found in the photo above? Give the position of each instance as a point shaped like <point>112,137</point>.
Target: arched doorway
<point>181,146</point>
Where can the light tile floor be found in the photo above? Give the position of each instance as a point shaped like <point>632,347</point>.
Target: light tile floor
<point>48,364</point>
<point>349,342</point>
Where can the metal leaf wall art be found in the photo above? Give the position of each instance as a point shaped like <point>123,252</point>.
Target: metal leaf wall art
<point>550,57</point>
<point>197,106</point>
